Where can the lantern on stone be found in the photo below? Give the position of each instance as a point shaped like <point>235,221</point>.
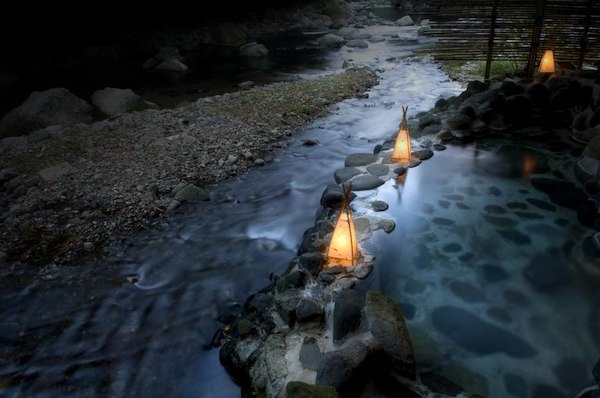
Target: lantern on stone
<point>343,248</point>
<point>547,62</point>
<point>402,145</point>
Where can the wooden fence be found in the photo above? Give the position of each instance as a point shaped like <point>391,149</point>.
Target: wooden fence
<point>515,30</point>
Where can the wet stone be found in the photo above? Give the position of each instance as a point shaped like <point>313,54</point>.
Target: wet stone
<point>596,372</point>
<point>308,309</point>
<point>343,175</point>
<point>468,191</point>
<point>408,310</point>
<point>423,154</point>
<point>366,182</point>
<point>525,215</point>
<point>495,209</point>
<point>443,221</point>
<point>388,225</point>
<point>493,273</point>
<point>514,236</point>
<point>548,271</point>
<point>378,169</point>
<point>332,196</point>
<point>444,203</point>
<point>465,258</point>
<point>401,170</point>
<point>439,147</point>
<point>515,385</point>
<point>462,206</point>
<point>310,354</point>
<point>452,248</point>
<point>499,314</point>
<point>379,205</point>
<point>516,205</point>
<point>467,291</point>
<point>347,313</point>
<point>299,389</point>
<point>474,334</point>
<point>502,222</point>
<point>360,159</point>
<point>439,384</point>
<point>541,204</point>
<point>414,163</point>
<point>494,191</point>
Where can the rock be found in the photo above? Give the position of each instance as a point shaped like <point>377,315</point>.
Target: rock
<point>379,205</point>
<point>247,84</point>
<point>366,182</point>
<point>347,32</point>
<point>331,41</point>
<point>515,385</point>
<point>562,193</point>
<point>458,121</point>
<point>518,109</point>
<point>378,169</point>
<point>299,389</point>
<point>291,280</point>
<point>357,43</point>
<point>511,87</point>
<point>231,159</point>
<point>253,49</point>
<point>259,162</point>
<point>452,248</point>
<point>422,154</point>
<point>539,94</point>
<point>88,246</point>
<point>580,122</point>
<point>387,225</point>
<point>347,313</point>
<point>311,261</point>
<point>473,382</point>
<point>376,39</point>
<point>150,63</point>
<point>7,174</point>
<point>12,142</point>
<point>596,372</point>
<point>595,118</point>
<point>167,53</point>
<point>172,65</point>
<point>467,292</point>
<point>343,175</point>
<point>592,150</point>
<point>405,21</point>
<point>472,333</point>
<point>308,309</point>
<point>441,385</point>
<point>55,172</point>
<point>548,271</point>
<point>515,236</point>
<point>541,204</point>
<point>387,325</point>
<point>493,273</point>
<point>56,106</point>
<point>260,304</point>
<point>569,372</point>
<point>113,101</point>
<point>346,369</point>
<point>360,159</point>
<point>585,136</point>
<point>310,354</point>
<point>191,193</point>
<point>332,196</point>
<point>439,147</point>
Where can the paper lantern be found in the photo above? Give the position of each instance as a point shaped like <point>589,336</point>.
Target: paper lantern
<point>547,63</point>
<point>402,146</point>
<point>343,249</point>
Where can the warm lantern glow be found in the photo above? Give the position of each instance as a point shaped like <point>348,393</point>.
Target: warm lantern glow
<point>343,249</point>
<point>402,145</point>
<point>547,63</point>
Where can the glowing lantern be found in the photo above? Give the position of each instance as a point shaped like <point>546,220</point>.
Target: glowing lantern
<point>547,63</point>
<point>402,145</point>
<point>343,249</point>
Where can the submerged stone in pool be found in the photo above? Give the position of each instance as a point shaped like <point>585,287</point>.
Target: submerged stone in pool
<point>467,292</point>
<point>442,221</point>
<point>548,271</point>
<point>492,273</point>
<point>541,204</point>
<point>472,333</point>
<point>502,222</point>
<point>515,236</point>
<point>515,385</point>
<point>495,209</point>
<point>452,248</point>
<point>444,203</point>
<point>495,191</point>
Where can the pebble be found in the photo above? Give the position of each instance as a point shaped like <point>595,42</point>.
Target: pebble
<point>379,205</point>
<point>88,246</point>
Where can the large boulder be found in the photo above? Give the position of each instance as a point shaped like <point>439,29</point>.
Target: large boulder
<point>173,65</point>
<point>253,50</point>
<point>43,109</point>
<point>166,53</point>
<point>113,101</point>
<point>331,41</point>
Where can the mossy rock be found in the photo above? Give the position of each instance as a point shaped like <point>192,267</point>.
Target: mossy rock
<point>299,389</point>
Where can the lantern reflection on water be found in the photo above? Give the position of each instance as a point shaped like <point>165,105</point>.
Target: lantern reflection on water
<point>343,249</point>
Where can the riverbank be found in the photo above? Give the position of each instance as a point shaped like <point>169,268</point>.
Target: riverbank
<point>79,189</point>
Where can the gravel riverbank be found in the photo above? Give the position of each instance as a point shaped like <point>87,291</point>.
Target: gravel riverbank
<point>70,191</point>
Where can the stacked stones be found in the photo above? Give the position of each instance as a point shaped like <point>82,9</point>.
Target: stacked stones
<point>309,334</point>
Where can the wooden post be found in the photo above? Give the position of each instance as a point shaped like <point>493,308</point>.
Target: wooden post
<point>535,39</point>
<point>488,61</point>
<point>584,35</point>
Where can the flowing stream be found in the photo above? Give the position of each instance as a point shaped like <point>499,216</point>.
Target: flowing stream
<point>138,322</point>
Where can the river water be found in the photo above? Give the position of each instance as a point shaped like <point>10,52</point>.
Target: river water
<point>138,322</point>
